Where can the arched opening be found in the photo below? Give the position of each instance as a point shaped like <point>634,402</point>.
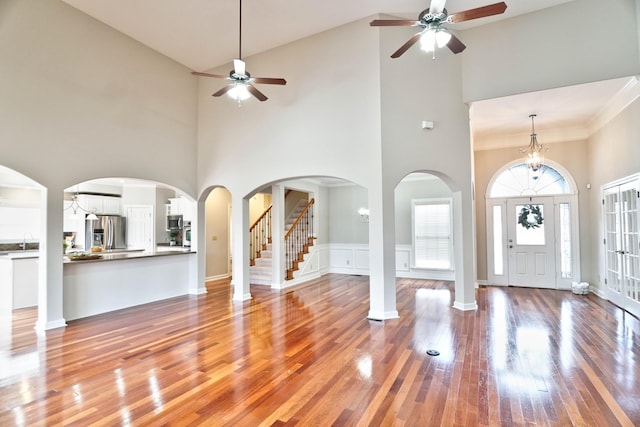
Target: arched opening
<point>217,232</point>
<point>424,228</point>
<point>532,227</point>
<point>143,209</point>
<point>21,218</point>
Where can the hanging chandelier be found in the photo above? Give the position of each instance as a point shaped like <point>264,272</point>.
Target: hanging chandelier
<point>79,211</point>
<point>535,151</point>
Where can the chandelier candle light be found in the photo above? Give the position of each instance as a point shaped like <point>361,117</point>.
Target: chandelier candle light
<point>535,151</point>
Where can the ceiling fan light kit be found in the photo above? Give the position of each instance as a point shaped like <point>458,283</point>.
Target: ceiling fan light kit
<point>431,21</point>
<point>239,92</point>
<point>433,38</point>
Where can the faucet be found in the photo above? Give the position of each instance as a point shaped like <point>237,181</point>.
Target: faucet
<point>23,245</point>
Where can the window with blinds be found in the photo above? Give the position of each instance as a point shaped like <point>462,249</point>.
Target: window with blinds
<point>432,237</point>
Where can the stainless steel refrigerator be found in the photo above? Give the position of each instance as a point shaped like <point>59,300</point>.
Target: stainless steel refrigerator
<point>108,231</point>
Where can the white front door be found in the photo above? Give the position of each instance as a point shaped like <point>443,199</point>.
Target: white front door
<point>622,245</point>
<point>531,242</point>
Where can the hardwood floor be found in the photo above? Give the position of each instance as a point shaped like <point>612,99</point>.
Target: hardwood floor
<point>309,357</point>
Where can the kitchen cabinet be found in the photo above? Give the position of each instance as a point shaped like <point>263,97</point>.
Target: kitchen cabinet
<point>180,206</point>
<point>111,206</point>
<point>100,205</point>
<point>19,280</point>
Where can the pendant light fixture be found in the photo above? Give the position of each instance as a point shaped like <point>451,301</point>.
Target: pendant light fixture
<point>535,151</point>
<point>79,211</point>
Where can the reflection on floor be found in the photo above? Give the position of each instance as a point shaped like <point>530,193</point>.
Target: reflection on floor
<point>309,356</point>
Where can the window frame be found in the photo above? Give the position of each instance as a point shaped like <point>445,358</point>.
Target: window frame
<point>432,201</point>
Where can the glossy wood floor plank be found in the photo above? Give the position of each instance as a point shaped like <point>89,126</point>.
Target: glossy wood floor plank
<point>309,357</point>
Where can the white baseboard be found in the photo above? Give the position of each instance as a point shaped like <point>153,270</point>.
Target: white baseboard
<point>218,277</point>
<point>245,297</point>
<point>54,324</point>
<point>465,307</point>
<point>383,315</point>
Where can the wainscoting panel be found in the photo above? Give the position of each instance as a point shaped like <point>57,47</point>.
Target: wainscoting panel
<point>353,258</point>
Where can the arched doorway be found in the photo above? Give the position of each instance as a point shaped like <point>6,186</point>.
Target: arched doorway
<point>532,227</point>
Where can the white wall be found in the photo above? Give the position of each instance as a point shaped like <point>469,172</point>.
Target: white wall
<point>324,122</point>
<point>576,42</point>
<point>82,101</point>
<point>345,225</point>
<point>613,153</point>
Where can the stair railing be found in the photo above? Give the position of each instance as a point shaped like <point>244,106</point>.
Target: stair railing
<point>259,235</point>
<point>298,239</point>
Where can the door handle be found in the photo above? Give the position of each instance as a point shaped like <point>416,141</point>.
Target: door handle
<point>620,252</point>
<point>510,246</point>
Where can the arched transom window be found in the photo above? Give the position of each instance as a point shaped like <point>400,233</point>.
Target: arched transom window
<point>518,180</point>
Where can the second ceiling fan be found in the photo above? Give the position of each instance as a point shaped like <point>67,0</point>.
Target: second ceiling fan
<point>241,86</point>
<point>433,34</point>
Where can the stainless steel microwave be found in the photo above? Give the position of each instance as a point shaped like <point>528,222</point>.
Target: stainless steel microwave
<point>174,222</point>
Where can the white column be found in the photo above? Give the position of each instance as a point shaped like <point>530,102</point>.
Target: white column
<point>50,302</point>
<point>277,234</point>
<point>198,264</point>
<point>464,252</point>
<point>240,235</point>
<point>382,263</point>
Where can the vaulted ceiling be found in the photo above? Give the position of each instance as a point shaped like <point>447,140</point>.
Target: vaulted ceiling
<point>202,34</point>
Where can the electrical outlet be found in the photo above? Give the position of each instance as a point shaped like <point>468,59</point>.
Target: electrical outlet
<point>214,237</point>
<point>348,262</point>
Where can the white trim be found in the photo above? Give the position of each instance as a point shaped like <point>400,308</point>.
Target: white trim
<point>616,105</point>
<point>383,315</point>
<point>622,301</point>
<point>573,187</point>
<point>571,198</point>
<point>198,291</point>
<point>465,307</point>
<point>432,201</point>
<point>53,324</point>
<point>218,277</point>
<point>345,258</point>
<point>245,297</point>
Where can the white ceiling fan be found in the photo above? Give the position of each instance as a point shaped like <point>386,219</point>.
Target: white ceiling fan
<point>433,34</point>
<point>241,86</point>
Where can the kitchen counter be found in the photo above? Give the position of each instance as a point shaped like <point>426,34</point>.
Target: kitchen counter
<point>125,279</point>
<point>18,280</point>
<point>130,254</point>
<point>20,254</point>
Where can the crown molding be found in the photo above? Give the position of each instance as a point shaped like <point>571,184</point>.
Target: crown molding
<point>628,94</point>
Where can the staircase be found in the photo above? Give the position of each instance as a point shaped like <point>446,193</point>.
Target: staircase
<point>260,272</point>
<point>260,269</point>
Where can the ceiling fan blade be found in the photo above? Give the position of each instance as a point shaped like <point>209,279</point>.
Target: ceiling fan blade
<point>270,80</point>
<point>455,45</point>
<point>239,67</point>
<point>436,6</point>
<point>407,45</point>
<point>255,92</point>
<point>393,23</point>
<point>479,12</point>
<point>217,76</point>
<point>223,90</point>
